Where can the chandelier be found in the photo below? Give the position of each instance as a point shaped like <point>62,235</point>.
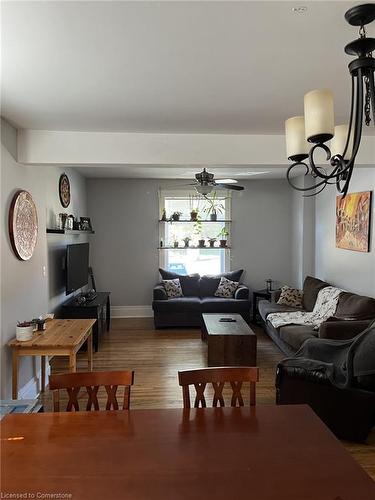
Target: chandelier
<point>317,125</point>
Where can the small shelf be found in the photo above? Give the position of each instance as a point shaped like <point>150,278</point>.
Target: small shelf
<point>68,231</point>
<point>194,248</point>
<point>194,221</point>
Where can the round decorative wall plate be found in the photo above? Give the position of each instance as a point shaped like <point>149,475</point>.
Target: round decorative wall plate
<point>23,225</point>
<point>64,190</point>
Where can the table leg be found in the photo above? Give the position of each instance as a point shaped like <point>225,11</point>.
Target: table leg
<point>43,381</point>
<point>15,374</point>
<point>89,351</point>
<point>108,314</point>
<point>73,362</point>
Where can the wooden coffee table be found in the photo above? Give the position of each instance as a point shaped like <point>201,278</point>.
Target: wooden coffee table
<point>62,337</point>
<point>229,343</point>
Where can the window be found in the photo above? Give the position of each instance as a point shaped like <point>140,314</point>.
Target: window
<point>193,259</point>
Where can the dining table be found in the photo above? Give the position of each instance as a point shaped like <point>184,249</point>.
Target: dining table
<point>260,453</point>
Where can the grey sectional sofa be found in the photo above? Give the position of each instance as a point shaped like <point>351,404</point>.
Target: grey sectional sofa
<point>353,314</point>
<point>198,298</point>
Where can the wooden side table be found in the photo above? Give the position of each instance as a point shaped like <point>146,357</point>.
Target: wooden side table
<point>62,337</point>
<point>259,294</point>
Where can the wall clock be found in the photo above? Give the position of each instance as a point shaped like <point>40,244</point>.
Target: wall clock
<point>23,225</point>
<point>64,190</point>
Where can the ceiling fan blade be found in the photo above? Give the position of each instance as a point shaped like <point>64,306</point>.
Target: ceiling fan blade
<point>231,186</point>
<point>226,181</point>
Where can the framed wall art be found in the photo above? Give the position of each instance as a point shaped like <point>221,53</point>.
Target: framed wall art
<point>353,214</point>
<point>23,225</point>
<point>64,190</point>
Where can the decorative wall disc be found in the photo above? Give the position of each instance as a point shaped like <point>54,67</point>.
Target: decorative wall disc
<point>64,190</point>
<point>23,225</point>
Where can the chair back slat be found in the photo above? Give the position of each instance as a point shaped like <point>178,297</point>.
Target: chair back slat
<point>92,381</point>
<point>217,377</point>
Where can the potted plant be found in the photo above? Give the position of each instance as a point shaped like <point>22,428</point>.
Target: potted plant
<point>186,241</point>
<point>223,235</point>
<point>163,215</point>
<point>24,330</point>
<point>176,216</point>
<point>194,202</point>
<point>215,206</point>
<point>212,242</point>
<point>175,243</point>
<point>202,243</point>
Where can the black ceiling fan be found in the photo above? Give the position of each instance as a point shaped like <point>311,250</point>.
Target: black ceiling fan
<point>205,183</point>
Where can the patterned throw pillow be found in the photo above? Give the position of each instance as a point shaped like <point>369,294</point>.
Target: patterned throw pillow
<point>226,288</point>
<point>173,288</point>
<point>290,297</point>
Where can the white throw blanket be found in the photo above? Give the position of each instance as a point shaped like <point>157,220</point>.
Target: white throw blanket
<point>325,307</point>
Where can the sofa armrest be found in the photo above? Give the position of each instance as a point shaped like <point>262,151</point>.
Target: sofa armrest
<point>159,293</point>
<point>341,329</point>
<point>275,295</point>
<point>242,292</point>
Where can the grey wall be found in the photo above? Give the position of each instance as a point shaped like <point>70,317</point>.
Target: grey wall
<point>124,249</point>
<point>25,291</point>
<point>354,271</point>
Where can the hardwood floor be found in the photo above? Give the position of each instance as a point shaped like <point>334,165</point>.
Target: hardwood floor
<point>157,355</point>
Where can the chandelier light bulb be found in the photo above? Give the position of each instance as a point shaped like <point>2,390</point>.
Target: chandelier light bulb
<point>319,116</point>
<point>339,141</point>
<point>297,147</point>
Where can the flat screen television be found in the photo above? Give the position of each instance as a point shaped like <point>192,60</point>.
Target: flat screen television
<point>77,267</point>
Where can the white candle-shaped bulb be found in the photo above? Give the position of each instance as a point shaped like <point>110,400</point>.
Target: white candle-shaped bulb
<point>319,116</point>
<point>339,141</point>
<point>296,144</point>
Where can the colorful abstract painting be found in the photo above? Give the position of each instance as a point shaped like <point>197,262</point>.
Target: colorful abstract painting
<point>353,221</point>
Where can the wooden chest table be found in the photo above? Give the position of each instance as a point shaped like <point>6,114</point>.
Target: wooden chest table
<point>229,343</point>
<point>62,337</point>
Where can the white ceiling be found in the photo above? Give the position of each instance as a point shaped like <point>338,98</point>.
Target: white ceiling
<point>181,173</point>
<point>233,67</point>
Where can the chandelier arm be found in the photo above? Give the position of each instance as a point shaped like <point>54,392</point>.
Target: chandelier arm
<point>336,163</point>
<point>372,94</point>
<point>307,171</point>
<point>350,126</point>
<point>358,121</point>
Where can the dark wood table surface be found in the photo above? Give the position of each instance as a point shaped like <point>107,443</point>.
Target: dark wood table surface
<point>262,453</point>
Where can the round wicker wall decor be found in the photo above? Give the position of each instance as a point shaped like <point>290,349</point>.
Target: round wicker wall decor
<point>23,225</point>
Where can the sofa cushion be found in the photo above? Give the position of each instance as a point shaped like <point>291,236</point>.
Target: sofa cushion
<point>226,288</point>
<point>219,305</point>
<point>265,308</point>
<point>180,304</point>
<point>189,283</point>
<point>173,288</point>
<point>311,288</point>
<point>295,335</point>
<point>208,284</point>
<point>352,306</point>
<point>290,297</point>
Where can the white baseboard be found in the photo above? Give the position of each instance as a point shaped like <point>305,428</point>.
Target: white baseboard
<point>131,312</point>
<point>32,388</point>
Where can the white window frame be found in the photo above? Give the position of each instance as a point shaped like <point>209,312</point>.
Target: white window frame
<point>184,193</point>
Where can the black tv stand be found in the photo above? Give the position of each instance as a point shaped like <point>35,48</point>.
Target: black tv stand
<point>98,308</point>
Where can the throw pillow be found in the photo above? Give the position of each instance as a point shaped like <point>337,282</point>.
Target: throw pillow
<point>226,288</point>
<point>189,283</point>
<point>290,297</point>
<point>208,284</point>
<point>173,288</point>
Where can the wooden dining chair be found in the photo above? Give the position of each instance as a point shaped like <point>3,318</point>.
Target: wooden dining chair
<point>217,377</point>
<point>73,382</point>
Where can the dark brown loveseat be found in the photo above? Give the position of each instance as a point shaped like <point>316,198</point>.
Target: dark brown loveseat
<point>353,314</point>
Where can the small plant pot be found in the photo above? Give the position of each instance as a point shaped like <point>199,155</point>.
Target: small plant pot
<point>175,217</point>
<point>193,216</point>
<point>213,216</point>
<point>187,243</point>
<point>175,244</point>
<point>24,333</point>
<point>223,243</point>
<point>201,243</point>
<point>212,244</point>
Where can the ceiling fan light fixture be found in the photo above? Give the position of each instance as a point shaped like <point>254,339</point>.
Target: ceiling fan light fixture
<point>204,189</point>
